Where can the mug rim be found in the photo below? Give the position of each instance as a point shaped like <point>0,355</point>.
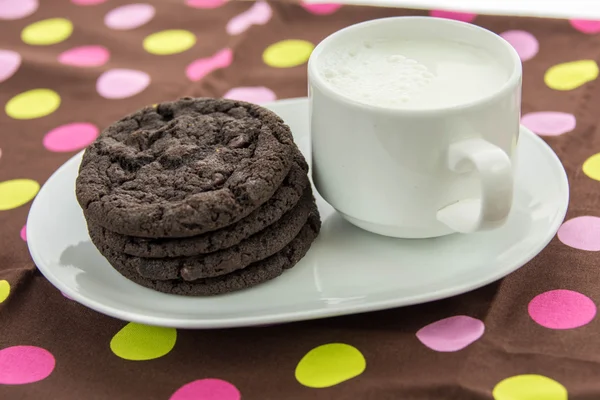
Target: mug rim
<point>514,79</point>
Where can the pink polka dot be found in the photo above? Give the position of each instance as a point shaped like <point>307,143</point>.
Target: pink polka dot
<point>122,83</point>
<point>24,364</point>
<point>85,56</point>
<point>459,16</point>
<point>15,9</point>
<point>87,2</point>
<point>549,123</point>
<point>582,233</point>
<point>259,14</point>
<point>9,63</point>
<point>586,26</point>
<point>205,3</point>
<point>129,16</point>
<point>321,8</point>
<point>203,66</point>
<point>562,309</point>
<point>207,389</point>
<point>23,233</point>
<point>256,94</point>
<point>526,45</point>
<point>70,137</point>
<point>451,334</point>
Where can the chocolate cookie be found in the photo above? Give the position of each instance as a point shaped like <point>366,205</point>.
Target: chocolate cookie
<point>284,199</point>
<point>257,247</point>
<point>184,168</point>
<point>252,275</point>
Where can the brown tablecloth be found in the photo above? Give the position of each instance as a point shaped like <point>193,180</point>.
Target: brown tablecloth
<point>541,339</point>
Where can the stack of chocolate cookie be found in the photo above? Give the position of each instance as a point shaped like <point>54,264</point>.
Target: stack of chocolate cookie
<point>198,196</point>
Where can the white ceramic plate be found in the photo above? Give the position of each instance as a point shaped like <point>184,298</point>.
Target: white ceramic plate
<point>346,271</point>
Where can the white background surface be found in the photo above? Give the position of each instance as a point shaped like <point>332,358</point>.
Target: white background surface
<point>585,9</point>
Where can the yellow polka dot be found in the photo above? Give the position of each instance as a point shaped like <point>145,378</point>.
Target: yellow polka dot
<point>330,364</point>
<point>591,167</point>
<point>529,387</point>
<point>287,53</point>
<point>34,103</point>
<point>4,290</point>
<point>16,192</point>
<point>47,31</point>
<point>571,75</point>
<point>142,342</point>
<point>169,42</point>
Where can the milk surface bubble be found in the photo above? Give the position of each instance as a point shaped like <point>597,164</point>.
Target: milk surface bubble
<point>412,74</point>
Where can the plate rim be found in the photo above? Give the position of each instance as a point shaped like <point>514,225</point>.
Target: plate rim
<point>308,314</point>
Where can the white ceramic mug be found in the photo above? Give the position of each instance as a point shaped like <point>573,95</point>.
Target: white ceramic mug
<point>417,173</point>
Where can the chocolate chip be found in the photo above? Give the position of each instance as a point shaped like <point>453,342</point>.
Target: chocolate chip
<point>239,142</point>
<point>186,274</point>
<point>166,112</point>
<point>219,179</point>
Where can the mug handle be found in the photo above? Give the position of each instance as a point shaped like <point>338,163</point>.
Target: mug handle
<point>495,174</point>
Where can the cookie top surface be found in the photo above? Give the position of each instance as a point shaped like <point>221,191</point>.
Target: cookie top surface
<point>184,168</point>
<point>257,247</point>
<point>283,200</point>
